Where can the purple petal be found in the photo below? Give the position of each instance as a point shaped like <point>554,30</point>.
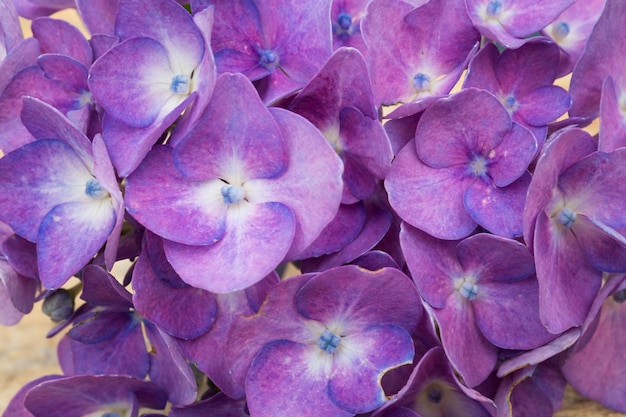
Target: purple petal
<point>60,37</point>
<point>61,255</point>
<point>236,139</point>
<point>419,194</point>
<point>481,71</point>
<point>367,357</point>
<point>102,289</point>
<point>605,248</point>
<point>314,200</point>
<point>169,369</point>
<point>353,295</point>
<point>499,210</point>
<point>568,282</point>
<point>136,93</point>
<point>242,256</point>
<point>443,137</point>
<point>98,15</point>
<point>510,159</point>
<point>543,105</point>
<point>196,209</point>
<point>612,127</point>
<point>282,381</point>
<point>432,263</point>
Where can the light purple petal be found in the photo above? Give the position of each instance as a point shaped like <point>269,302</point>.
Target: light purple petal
<point>98,15</point>
<point>60,37</point>
<point>612,126</point>
<point>60,255</point>
<point>196,209</point>
<point>242,256</point>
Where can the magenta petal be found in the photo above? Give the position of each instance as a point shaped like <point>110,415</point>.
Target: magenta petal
<point>498,210</point>
<point>61,254</point>
<point>354,294</point>
<point>511,158</point>
<point>356,381</point>
<point>256,240</point>
<point>196,210</point>
<point>281,382</point>
<point>134,93</point>
<point>568,282</point>
<point>419,194</point>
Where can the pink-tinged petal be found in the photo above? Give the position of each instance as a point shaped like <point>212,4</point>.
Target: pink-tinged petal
<point>256,239</point>
<point>511,158</point>
<point>236,138</point>
<point>401,131</point>
<point>60,255</point>
<point>55,175</point>
<point>98,15</point>
<point>342,230</point>
<point>166,22</point>
<point>196,209</point>
<point>469,352</point>
<point>604,247</point>
<point>16,408</point>
<point>314,200</point>
<point>612,119</point>
<point>352,296</point>
<point>562,152</point>
<point>169,369</point>
<point>508,314</point>
<point>528,16</point>
<point>128,145</point>
<point>132,82</point>
<point>594,187</point>
<point>432,262</point>
<point>69,72</point>
<point>605,54</point>
<point>217,405</point>
<point>543,105</point>
<point>419,194</point>
<point>60,37</point>
<point>285,380</point>
<point>568,282</point>
<point>356,381</point>
<point>445,139</point>
<point>597,370</point>
<point>481,70</point>
<point>498,210</point>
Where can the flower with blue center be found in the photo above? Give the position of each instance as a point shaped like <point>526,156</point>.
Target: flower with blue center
<point>321,344</point>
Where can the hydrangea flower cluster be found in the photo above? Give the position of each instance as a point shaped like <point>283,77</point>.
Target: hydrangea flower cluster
<point>461,251</point>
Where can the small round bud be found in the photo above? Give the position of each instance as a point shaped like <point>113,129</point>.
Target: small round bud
<point>59,305</point>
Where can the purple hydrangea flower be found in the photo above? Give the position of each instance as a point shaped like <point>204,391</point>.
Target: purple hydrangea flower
<point>476,173</point>
<point>321,343</point>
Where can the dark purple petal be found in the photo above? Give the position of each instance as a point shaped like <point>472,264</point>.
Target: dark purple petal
<point>419,194</point>
<point>219,405</point>
<point>360,298</point>
<point>283,380</point>
<point>605,248</point>
<point>102,289</point>
<point>242,256</point>
<point>16,408</point>
<point>355,383</point>
<point>169,369</point>
<point>75,396</point>
<point>196,209</point>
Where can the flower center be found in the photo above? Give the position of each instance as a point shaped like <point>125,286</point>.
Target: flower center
<point>566,217</point>
<point>478,166</point>
<point>268,59</point>
<point>494,8</point>
<point>421,81</point>
<point>181,84</point>
<point>434,395</point>
<point>466,287</point>
<point>560,31</point>
<point>94,190</point>
<point>328,342</point>
<point>232,193</point>
<point>620,296</point>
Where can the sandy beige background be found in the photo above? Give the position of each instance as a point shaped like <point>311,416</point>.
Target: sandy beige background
<point>25,353</point>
